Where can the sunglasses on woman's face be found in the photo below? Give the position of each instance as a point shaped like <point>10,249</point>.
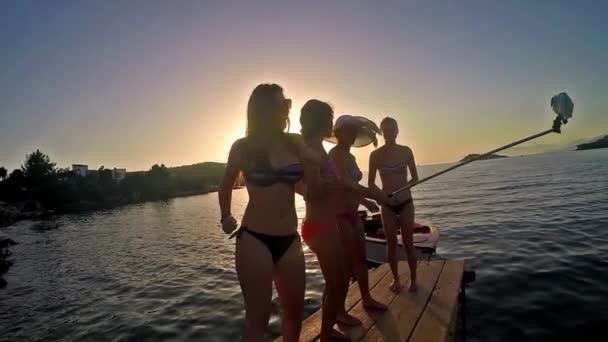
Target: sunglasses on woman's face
<point>288,103</point>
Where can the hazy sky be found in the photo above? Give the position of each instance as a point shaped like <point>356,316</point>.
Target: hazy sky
<point>132,83</point>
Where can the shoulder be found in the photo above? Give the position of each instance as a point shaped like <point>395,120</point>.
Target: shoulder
<point>332,152</point>
<point>295,140</point>
<point>295,137</point>
<point>238,145</point>
<point>406,149</point>
<point>377,153</point>
<point>374,153</point>
<point>238,150</point>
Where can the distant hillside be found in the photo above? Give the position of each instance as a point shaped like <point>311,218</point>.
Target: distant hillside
<point>197,176</point>
<point>491,156</point>
<point>600,143</point>
<point>192,179</point>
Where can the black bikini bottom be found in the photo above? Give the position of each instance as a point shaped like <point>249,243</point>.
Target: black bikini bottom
<point>398,207</point>
<point>277,244</point>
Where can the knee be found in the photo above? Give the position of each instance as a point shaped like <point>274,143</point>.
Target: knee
<point>256,322</point>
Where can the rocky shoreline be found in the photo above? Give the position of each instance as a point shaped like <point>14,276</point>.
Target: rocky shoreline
<point>5,253</point>
<point>10,214</point>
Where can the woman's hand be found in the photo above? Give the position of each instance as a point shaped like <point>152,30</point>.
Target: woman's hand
<point>229,224</point>
<point>381,197</point>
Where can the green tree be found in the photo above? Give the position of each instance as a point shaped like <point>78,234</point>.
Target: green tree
<point>3,173</point>
<point>12,188</point>
<point>41,179</point>
<point>18,177</point>
<point>158,182</point>
<point>38,168</point>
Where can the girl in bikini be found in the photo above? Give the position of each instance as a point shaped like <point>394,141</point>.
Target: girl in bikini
<point>347,132</point>
<point>392,161</point>
<point>268,246</point>
<point>319,229</point>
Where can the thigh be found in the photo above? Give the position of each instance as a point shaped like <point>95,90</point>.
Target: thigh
<point>345,233</point>
<point>327,247</point>
<point>290,279</point>
<point>406,221</point>
<point>254,268</point>
<point>359,239</point>
<point>389,224</point>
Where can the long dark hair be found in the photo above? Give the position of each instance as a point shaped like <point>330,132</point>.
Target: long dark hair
<point>314,116</point>
<point>267,122</point>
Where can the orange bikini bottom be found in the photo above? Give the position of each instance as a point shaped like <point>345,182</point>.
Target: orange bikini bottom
<point>312,228</point>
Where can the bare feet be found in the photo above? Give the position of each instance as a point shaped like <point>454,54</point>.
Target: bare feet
<point>337,335</point>
<point>413,287</point>
<point>371,304</point>
<point>347,319</point>
<point>396,286</point>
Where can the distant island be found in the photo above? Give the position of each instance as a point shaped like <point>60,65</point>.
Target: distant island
<point>600,143</point>
<point>488,157</point>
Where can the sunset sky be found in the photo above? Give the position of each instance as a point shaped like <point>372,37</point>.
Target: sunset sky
<point>133,83</point>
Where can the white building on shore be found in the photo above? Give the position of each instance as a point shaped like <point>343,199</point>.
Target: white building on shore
<point>80,169</point>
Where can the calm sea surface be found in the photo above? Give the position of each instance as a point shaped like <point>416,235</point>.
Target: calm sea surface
<point>535,229</point>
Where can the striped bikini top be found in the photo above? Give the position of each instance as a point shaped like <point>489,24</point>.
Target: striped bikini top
<point>290,174</point>
<point>399,168</point>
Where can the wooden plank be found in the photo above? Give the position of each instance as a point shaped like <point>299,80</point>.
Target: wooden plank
<point>311,326</point>
<point>437,319</point>
<point>381,293</point>
<point>407,307</point>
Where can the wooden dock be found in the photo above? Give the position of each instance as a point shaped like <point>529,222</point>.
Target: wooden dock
<point>429,314</point>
